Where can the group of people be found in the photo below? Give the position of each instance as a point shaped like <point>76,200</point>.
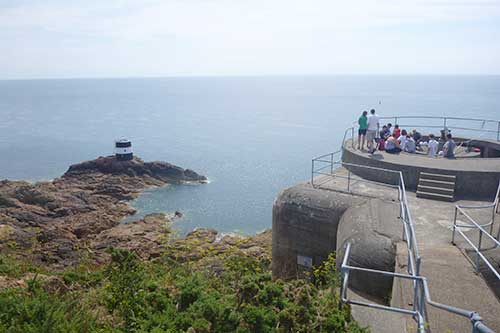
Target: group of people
<point>395,140</point>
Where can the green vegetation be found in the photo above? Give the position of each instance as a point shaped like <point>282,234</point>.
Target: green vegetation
<point>165,295</point>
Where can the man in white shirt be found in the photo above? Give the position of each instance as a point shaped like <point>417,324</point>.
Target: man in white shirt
<point>372,130</point>
<point>432,145</point>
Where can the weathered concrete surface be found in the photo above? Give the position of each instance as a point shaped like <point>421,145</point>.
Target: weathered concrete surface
<point>402,296</point>
<point>373,229</point>
<point>476,177</point>
<point>452,281</point>
<point>450,274</point>
<point>305,222</point>
<point>377,321</point>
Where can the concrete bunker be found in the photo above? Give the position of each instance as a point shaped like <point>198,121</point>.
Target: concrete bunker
<point>310,223</point>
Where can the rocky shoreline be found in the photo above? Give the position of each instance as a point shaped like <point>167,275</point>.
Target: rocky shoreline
<point>75,218</point>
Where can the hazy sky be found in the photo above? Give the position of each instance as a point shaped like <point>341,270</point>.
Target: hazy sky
<point>107,38</point>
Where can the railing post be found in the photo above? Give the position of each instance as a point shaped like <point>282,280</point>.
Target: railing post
<point>312,173</point>
<point>498,132</point>
<point>416,303</point>
<point>480,239</point>
<point>352,137</point>
<point>422,302</point>
<point>331,163</point>
<point>492,220</point>
<point>444,122</point>
<point>454,227</point>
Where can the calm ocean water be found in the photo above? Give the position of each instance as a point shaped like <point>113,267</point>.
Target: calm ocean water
<point>252,136</point>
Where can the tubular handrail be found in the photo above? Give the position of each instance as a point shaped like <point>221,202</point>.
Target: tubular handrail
<point>459,209</point>
<point>419,313</point>
<point>442,118</point>
<point>445,123</point>
<point>421,294</point>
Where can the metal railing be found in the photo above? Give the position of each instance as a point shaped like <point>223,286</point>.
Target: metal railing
<point>418,311</point>
<point>484,126</point>
<point>421,294</point>
<point>473,224</point>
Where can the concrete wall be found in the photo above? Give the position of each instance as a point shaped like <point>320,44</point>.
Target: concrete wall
<point>373,229</point>
<point>470,184</point>
<point>305,222</point>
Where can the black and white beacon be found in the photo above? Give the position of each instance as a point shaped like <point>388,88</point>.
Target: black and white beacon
<point>123,150</point>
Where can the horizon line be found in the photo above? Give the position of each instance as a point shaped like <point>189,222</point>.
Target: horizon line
<point>232,76</point>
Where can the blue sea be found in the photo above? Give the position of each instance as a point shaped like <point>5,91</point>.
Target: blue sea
<point>251,136</point>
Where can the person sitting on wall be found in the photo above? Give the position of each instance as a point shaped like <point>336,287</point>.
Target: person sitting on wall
<point>392,145</point>
<point>383,136</point>
<point>363,124</point>
<point>389,130</point>
<point>396,132</point>
<point>432,146</point>
<point>417,137</point>
<point>410,145</point>
<point>402,138</point>
<point>449,147</point>
<point>383,132</point>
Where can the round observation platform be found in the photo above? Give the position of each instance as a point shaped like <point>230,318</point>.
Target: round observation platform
<point>475,171</point>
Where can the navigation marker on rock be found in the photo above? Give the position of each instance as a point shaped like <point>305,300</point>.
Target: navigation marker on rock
<point>123,150</point>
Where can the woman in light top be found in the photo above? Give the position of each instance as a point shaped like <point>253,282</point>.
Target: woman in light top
<point>392,145</point>
<point>410,146</point>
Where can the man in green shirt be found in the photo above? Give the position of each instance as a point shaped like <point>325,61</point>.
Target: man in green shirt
<point>363,125</point>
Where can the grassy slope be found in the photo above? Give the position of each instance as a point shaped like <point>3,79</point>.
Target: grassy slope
<point>218,290</point>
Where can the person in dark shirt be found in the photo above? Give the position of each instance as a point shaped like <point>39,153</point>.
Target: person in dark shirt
<point>389,128</point>
<point>384,133</point>
<point>416,136</point>
<point>449,147</point>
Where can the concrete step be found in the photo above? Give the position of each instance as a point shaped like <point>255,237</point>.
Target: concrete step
<point>435,196</point>
<point>438,190</point>
<point>438,176</point>
<point>436,183</point>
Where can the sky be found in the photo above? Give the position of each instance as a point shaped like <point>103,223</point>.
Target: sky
<point>133,38</point>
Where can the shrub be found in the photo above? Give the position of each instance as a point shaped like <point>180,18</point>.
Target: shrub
<point>34,310</point>
<point>169,296</point>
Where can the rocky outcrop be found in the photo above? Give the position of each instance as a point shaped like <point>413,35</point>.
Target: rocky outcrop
<point>59,223</point>
<point>136,167</point>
